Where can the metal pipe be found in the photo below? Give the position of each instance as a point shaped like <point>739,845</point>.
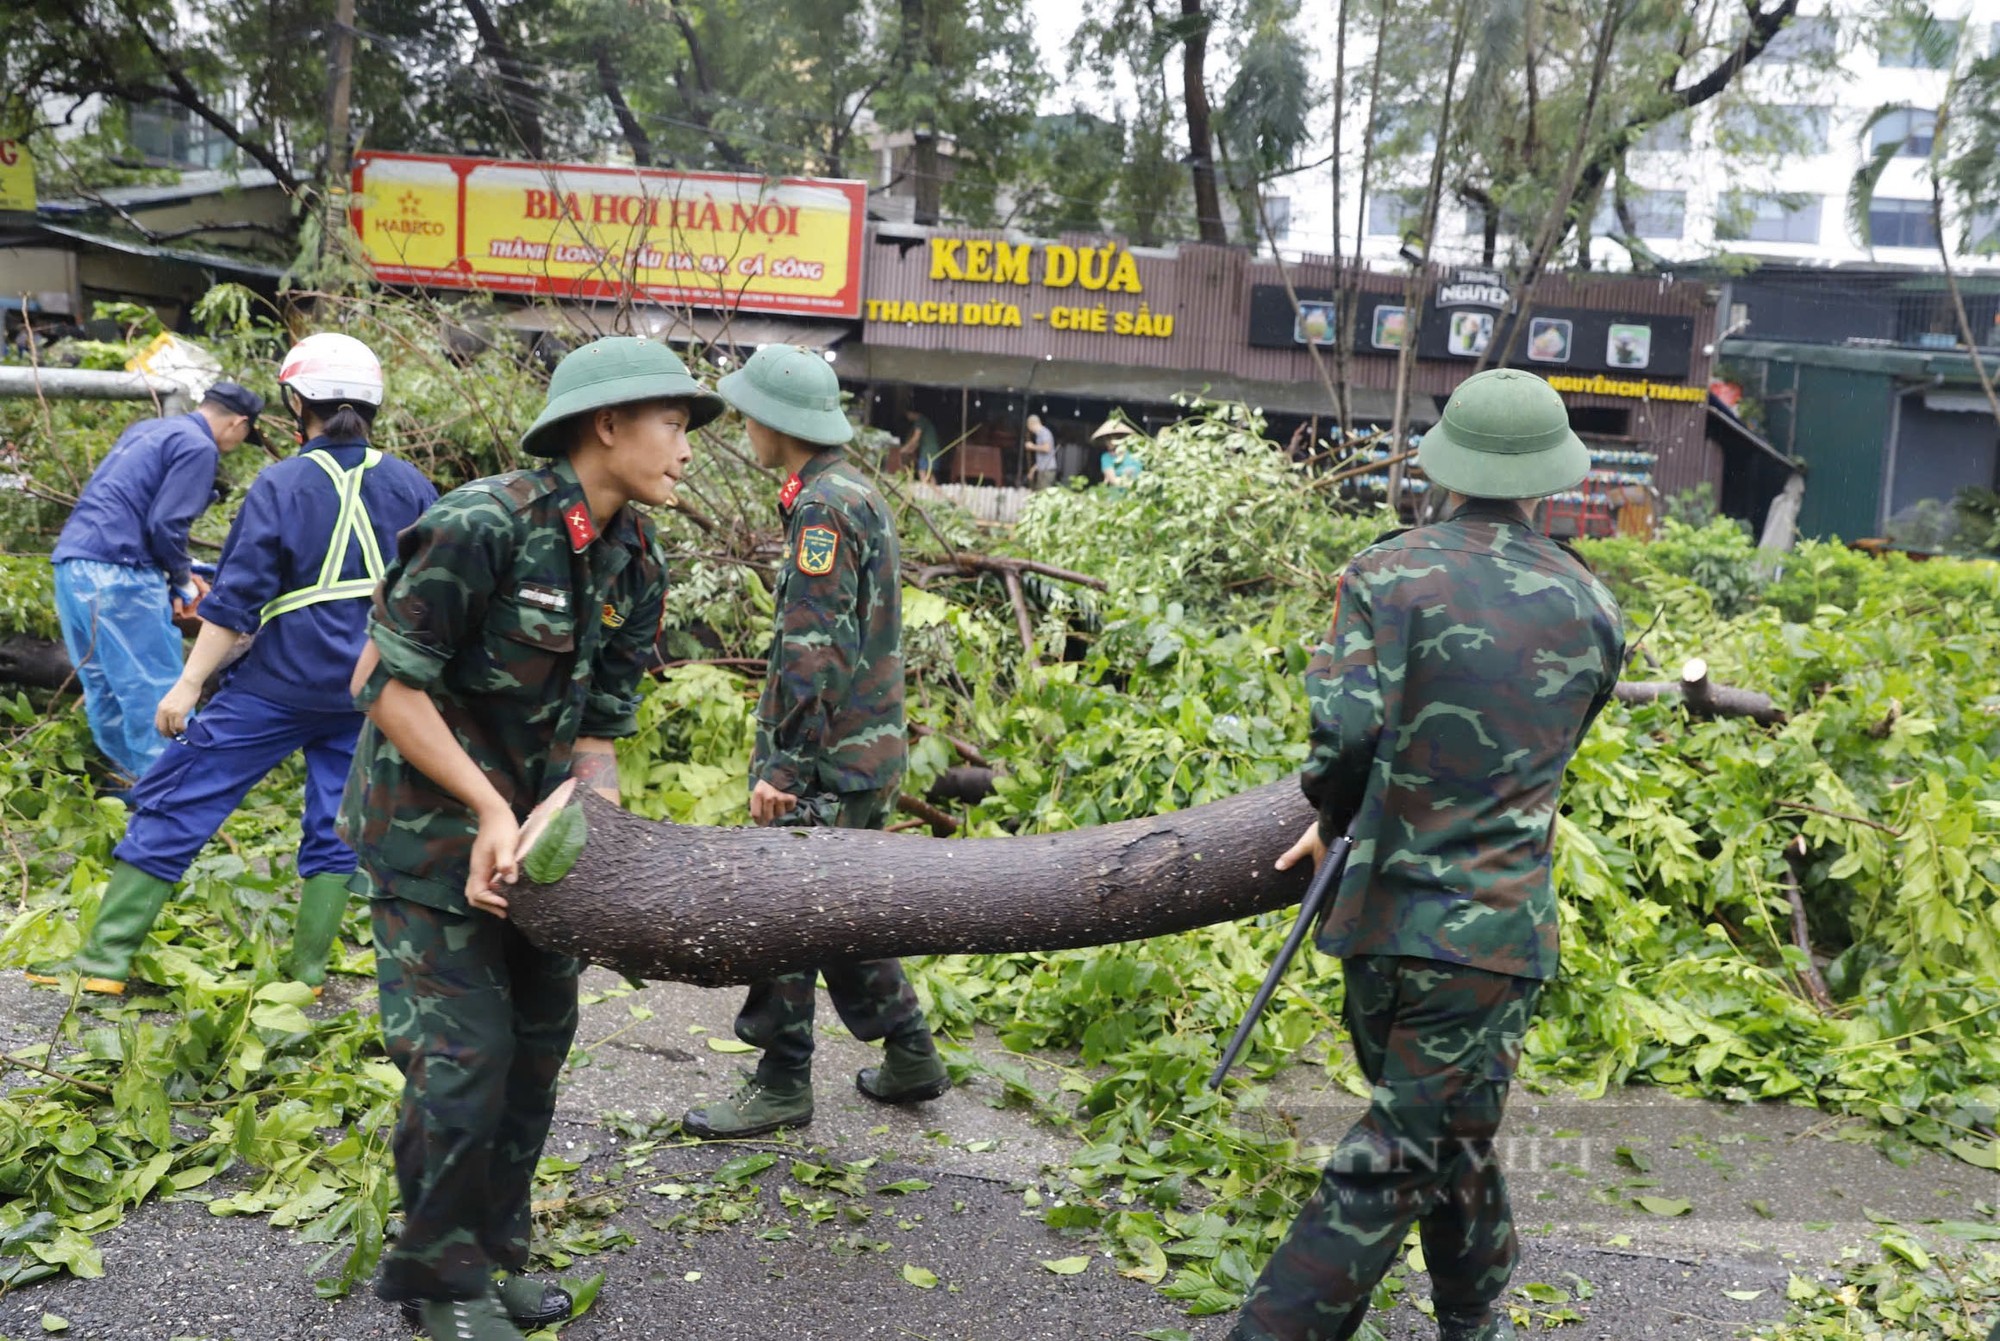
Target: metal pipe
<point>91,384</point>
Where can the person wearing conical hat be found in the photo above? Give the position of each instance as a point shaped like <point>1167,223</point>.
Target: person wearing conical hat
<point>507,645</point>
<point>1465,662</point>
<point>831,737</point>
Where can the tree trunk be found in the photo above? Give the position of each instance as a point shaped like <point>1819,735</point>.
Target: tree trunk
<point>1201,141</point>
<point>521,100</point>
<point>1781,521</point>
<point>723,906</point>
<point>37,663</point>
<point>628,125</point>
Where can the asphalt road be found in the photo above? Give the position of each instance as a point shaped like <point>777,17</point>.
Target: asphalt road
<point>1771,1190</point>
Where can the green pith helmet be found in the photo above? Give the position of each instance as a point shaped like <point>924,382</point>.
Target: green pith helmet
<point>617,370</point>
<point>792,390</point>
<point>1504,434</point>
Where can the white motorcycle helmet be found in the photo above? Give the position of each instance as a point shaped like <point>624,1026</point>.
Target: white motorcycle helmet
<point>330,369</point>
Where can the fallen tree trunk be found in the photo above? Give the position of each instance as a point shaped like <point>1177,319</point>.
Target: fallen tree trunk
<point>35,663</point>
<point>716,907</point>
<point>1702,696</point>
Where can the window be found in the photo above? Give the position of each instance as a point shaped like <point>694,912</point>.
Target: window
<point>1665,137</point>
<point>1802,39</point>
<point>1918,42</point>
<point>1788,127</point>
<point>1392,213</point>
<point>1911,128</point>
<point>167,135</point>
<point>1900,223</point>
<point>1278,213</point>
<point>1747,218</point>
<point>1985,231</point>
<point>1655,214</point>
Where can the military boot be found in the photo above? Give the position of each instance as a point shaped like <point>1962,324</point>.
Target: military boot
<point>911,1071</point>
<point>527,1302</point>
<point>322,902</point>
<point>131,904</point>
<point>480,1319</point>
<point>772,1098</point>
<point>1493,1325</point>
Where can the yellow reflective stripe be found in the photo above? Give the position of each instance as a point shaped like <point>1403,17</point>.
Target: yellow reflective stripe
<point>357,588</point>
<point>352,523</point>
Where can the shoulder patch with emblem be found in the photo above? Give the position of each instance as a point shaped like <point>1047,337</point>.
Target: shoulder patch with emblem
<point>817,547</point>
<point>612,619</point>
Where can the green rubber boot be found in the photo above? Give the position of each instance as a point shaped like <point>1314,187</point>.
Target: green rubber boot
<point>480,1319</point>
<point>769,1100</point>
<point>132,903</point>
<point>1497,1325</point>
<point>528,1303</point>
<point>911,1072</point>
<point>322,902</point>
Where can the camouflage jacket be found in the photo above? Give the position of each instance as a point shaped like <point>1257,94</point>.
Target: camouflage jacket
<point>831,716</point>
<point>1465,662</point>
<point>527,629</point>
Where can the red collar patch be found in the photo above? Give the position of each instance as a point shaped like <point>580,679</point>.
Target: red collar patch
<point>790,493</point>
<point>582,530</point>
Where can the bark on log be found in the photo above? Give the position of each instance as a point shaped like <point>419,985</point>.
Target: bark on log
<point>727,906</point>
<point>1702,696</point>
<point>36,663</point>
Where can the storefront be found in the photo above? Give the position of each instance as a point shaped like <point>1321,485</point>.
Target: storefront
<point>1630,356</point>
<point>977,330</point>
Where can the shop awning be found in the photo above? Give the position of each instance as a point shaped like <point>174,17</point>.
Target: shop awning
<point>857,362</point>
<point>1729,431</point>
<point>679,325</point>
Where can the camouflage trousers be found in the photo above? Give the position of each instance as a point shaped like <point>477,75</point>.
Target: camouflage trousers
<point>479,1022</point>
<point>874,997</point>
<point>1439,1042</point>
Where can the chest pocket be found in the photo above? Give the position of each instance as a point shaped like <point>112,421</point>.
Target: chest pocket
<point>527,654</point>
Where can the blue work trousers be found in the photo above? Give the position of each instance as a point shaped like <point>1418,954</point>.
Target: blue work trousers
<point>118,625</point>
<point>208,770</point>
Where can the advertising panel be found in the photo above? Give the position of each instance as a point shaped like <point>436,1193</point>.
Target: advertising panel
<point>17,177</point>
<point>788,244</point>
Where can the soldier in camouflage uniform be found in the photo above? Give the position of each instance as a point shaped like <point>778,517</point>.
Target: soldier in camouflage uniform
<point>1465,663</point>
<point>506,649</point>
<point>831,744</point>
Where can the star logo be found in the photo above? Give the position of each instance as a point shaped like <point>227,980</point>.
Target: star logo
<point>581,530</point>
<point>409,204</point>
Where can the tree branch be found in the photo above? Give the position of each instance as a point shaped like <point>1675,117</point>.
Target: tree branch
<point>628,125</point>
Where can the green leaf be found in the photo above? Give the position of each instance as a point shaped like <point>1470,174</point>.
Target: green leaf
<point>744,1167</point>
<point>919,1277</point>
<point>583,1292</point>
<point>1744,1296</point>
<point>1543,1294</point>
<point>1067,1266</point>
<point>903,1187</point>
<point>560,844</point>
<point>728,1045</point>
<point>1668,1206</point>
<point>52,1322</point>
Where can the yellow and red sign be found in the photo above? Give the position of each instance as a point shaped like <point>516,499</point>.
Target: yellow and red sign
<point>755,244</point>
<point>17,177</point>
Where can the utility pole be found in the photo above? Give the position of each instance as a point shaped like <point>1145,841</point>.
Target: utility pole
<point>333,184</point>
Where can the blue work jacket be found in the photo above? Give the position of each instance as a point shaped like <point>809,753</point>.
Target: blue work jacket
<point>143,496</point>
<point>277,544</point>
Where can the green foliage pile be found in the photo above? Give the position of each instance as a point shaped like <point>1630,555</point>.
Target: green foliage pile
<point>1178,685</point>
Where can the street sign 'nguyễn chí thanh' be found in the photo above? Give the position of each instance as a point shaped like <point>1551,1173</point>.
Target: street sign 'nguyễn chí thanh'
<point>788,244</point>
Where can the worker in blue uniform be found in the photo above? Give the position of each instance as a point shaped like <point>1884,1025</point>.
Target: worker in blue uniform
<point>300,565</point>
<point>122,569</point>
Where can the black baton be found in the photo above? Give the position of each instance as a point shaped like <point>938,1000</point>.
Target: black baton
<point>1311,909</point>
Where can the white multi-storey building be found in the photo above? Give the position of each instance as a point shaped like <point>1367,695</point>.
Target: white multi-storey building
<point>1697,187</point>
